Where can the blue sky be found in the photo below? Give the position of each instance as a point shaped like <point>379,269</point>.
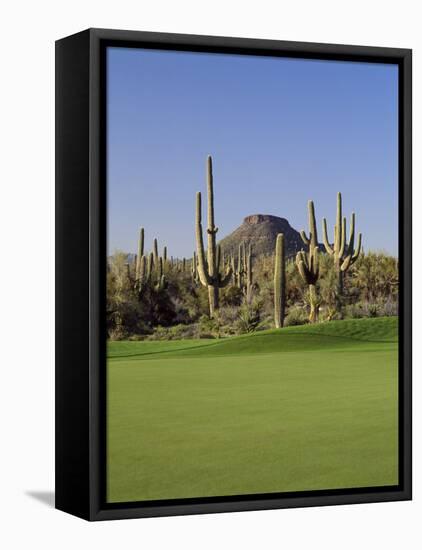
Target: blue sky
<point>281,131</point>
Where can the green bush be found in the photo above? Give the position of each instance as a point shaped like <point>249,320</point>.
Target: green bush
<point>297,315</point>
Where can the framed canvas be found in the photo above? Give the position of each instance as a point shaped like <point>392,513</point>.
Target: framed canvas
<point>233,274</point>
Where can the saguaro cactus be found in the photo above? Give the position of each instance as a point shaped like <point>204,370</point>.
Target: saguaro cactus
<point>279,282</point>
<point>155,251</point>
<point>233,268</point>
<point>209,269</point>
<point>239,269</point>
<point>308,264</point>
<point>248,271</point>
<point>143,275</point>
<point>140,252</point>
<point>150,265</point>
<point>344,256</point>
<point>242,269</point>
<point>160,277</point>
<point>194,269</point>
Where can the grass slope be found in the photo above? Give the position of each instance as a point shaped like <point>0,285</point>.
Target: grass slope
<point>312,337</point>
<point>316,409</point>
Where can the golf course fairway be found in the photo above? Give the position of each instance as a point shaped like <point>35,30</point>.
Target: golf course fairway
<point>301,408</point>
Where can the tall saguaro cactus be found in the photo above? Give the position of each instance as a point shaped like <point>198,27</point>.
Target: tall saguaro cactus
<point>140,252</point>
<point>248,271</point>
<point>308,264</point>
<point>155,251</point>
<point>239,268</point>
<point>209,269</point>
<point>344,255</point>
<point>279,282</point>
<point>194,269</point>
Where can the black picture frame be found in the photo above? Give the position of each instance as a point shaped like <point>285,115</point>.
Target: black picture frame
<point>80,272</point>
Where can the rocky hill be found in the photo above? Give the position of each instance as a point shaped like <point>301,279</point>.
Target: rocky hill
<point>261,230</point>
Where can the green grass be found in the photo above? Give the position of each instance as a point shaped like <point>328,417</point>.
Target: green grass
<point>312,407</point>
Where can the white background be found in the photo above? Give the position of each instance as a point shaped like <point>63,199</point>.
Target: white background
<point>29,29</point>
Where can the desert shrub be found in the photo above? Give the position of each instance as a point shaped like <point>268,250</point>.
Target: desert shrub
<point>210,328</point>
<point>296,315</point>
<point>175,332</point>
<point>362,309</point>
<point>375,275</point>
<point>248,318</point>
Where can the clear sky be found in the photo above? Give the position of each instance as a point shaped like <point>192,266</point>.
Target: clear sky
<point>280,131</point>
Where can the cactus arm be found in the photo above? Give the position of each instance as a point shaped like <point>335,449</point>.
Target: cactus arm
<point>327,245</point>
<point>202,267</point>
<point>302,256</point>
<point>301,267</point>
<point>353,256</point>
<point>342,238</point>
<point>350,248</point>
<point>305,239</point>
<point>346,263</point>
<point>358,248</point>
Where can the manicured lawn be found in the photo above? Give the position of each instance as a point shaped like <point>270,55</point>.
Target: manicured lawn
<point>296,409</point>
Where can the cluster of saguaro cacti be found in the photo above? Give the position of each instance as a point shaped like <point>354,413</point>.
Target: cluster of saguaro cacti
<point>209,268</point>
<point>149,269</point>
<point>308,264</point>
<point>242,272</point>
<point>344,255</point>
<point>279,281</point>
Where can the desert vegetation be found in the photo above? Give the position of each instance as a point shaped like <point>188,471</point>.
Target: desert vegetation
<point>224,291</point>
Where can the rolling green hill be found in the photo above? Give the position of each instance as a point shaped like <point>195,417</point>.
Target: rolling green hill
<point>312,407</point>
<point>334,334</point>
